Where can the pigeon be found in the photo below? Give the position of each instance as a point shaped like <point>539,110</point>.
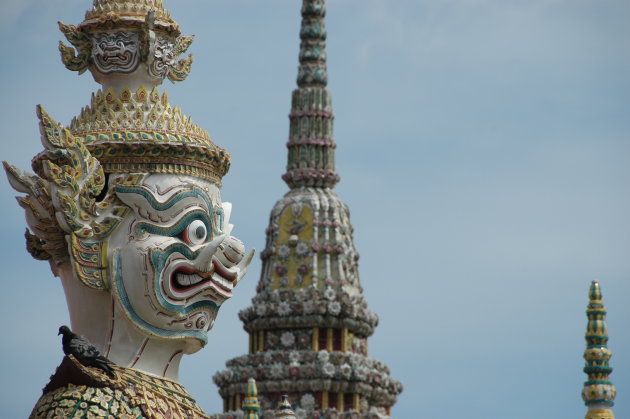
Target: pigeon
<point>84,351</point>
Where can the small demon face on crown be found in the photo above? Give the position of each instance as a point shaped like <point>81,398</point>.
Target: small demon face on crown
<point>123,37</point>
<point>126,200</point>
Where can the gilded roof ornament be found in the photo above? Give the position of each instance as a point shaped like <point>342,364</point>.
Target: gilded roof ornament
<point>598,392</point>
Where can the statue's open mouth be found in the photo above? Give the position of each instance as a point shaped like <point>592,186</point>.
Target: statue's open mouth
<point>187,279</point>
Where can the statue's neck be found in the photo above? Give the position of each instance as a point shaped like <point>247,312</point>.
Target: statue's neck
<point>95,315</point>
<point>131,81</point>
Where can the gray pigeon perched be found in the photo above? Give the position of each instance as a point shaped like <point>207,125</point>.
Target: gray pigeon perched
<point>84,351</point>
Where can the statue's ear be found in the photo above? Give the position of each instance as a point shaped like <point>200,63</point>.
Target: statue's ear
<point>89,262</point>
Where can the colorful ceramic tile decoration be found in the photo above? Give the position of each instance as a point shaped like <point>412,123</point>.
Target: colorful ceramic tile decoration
<point>125,205</point>
<point>309,323</point>
<point>598,392</point>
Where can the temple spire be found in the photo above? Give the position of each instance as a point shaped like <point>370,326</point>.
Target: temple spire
<point>309,323</point>
<point>284,410</point>
<point>251,406</point>
<point>311,157</point>
<point>598,392</point>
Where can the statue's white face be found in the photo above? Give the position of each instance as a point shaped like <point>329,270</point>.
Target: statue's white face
<point>172,262</point>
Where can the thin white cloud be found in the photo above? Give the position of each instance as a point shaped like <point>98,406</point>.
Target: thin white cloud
<point>11,10</point>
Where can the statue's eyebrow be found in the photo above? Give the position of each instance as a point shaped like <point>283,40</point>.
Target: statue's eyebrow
<point>179,226</point>
<point>192,192</point>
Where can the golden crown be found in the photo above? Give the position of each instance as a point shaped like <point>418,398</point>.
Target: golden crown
<point>128,12</point>
<point>139,131</point>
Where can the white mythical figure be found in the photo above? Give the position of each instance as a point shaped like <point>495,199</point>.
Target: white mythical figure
<point>125,206</point>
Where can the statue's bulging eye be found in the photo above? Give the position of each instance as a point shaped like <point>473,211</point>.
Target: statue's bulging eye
<point>195,233</point>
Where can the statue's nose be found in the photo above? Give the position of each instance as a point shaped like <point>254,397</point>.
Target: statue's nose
<point>231,251</point>
<point>211,248</point>
<point>225,255</point>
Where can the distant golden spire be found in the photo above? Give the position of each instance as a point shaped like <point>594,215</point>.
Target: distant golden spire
<point>598,392</point>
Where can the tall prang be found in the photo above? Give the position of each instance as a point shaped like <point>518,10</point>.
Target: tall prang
<point>309,324</point>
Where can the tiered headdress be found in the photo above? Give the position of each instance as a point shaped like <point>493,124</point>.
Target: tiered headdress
<point>130,47</point>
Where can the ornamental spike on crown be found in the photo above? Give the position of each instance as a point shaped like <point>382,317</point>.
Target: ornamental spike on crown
<point>598,392</point>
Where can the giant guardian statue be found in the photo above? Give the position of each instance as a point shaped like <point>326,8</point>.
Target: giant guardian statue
<point>125,205</point>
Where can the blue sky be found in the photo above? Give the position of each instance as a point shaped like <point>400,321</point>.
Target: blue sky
<point>483,148</point>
